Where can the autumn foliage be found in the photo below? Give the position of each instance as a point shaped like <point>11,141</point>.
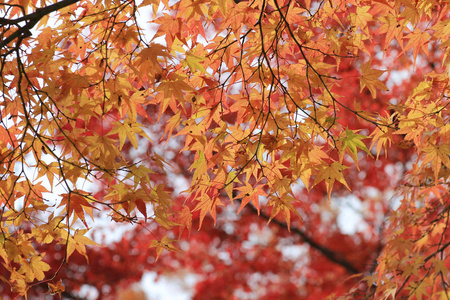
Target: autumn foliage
<point>277,149</point>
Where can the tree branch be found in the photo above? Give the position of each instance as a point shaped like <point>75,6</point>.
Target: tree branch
<point>330,254</point>
<point>31,19</point>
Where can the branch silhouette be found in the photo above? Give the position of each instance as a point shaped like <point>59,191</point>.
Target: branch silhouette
<point>31,21</point>
<point>333,256</point>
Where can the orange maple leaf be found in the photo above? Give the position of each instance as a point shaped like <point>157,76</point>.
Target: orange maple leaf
<point>77,205</point>
<point>370,79</point>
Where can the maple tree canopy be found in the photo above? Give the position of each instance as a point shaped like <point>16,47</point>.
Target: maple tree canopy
<point>279,116</point>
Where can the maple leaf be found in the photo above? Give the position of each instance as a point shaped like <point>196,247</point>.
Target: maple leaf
<point>351,142</point>
<point>284,205</point>
<point>360,18</point>
<point>35,268</point>
<point>163,218</point>
<point>393,28</point>
<point>249,193</point>
<point>370,79</point>
<point>172,124</point>
<point>173,89</point>
<point>439,266</point>
<point>390,293</point>
<point>200,167</point>
<point>164,243</point>
<point>418,39</point>
<point>420,290</point>
<point>205,205</point>
<point>439,156</point>
<point>185,219</point>
<point>382,136</point>
<point>330,173</point>
<point>223,6</point>
<point>56,288</point>
<point>193,61</point>
<point>77,242</point>
<point>77,205</point>
<point>128,129</point>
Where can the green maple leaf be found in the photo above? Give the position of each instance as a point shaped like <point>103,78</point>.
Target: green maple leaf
<point>352,141</point>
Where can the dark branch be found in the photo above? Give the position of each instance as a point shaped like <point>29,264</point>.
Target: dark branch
<point>330,254</point>
<point>31,19</point>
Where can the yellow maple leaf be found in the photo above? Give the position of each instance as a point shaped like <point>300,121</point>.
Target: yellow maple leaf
<point>128,129</point>
<point>360,18</point>
<point>438,156</point>
<point>34,269</point>
<point>284,205</point>
<point>78,242</point>
<point>329,173</point>
<point>164,243</point>
<point>193,61</point>
<point>370,79</point>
